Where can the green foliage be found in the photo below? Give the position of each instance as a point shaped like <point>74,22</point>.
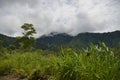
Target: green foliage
<point>1,43</point>
<point>1,47</point>
<point>78,42</point>
<point>5,41</point>
<point>27,40</point>
<point>28,30</point>
<point>94,63</point>
<point>97,63</point>
<point>83,40</point>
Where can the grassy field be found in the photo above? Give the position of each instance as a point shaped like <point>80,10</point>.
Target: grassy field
<point>95,63</point>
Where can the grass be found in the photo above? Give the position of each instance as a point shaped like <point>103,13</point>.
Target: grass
<point>96,63</point>
<point>23,65</point>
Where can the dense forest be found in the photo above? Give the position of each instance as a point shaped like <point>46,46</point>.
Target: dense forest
<point>82,40</point>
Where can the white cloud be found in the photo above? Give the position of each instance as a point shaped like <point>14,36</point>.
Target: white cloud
<point>69,16</point>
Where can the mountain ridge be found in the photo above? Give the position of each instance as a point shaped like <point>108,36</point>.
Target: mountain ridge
<point>111,39</point>
<point>53,40</point>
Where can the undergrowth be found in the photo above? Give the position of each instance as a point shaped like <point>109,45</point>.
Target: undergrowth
<point>94,63</point>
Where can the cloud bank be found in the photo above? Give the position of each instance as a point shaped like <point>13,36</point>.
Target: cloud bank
<point>62,16</point>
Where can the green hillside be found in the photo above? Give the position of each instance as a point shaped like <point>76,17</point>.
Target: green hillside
<point>111,39</point>
<point>82,40</point>
<point>6,41</point>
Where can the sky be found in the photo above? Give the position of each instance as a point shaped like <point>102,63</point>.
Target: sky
<point>62,16</point>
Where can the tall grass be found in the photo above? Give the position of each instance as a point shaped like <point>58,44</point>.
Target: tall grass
<point>24,65</point>
<point>96,63</point>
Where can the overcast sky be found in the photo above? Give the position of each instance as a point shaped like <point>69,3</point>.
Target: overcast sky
<point>63,16</point>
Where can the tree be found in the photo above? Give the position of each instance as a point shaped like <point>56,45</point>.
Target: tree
<point>27,40</point>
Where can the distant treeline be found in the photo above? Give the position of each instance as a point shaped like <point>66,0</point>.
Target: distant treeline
<point>56,41</point>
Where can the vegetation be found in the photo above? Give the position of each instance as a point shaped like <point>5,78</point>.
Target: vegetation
<point>5,41</point>
<point>78,42</point>
<point>94,63</point>
<point>60,62</point>
<point>27,40</point>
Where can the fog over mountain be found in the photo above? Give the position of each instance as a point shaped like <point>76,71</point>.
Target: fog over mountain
<point>62,16</point>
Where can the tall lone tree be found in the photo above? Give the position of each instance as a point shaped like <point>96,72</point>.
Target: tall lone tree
<point>27,40</point>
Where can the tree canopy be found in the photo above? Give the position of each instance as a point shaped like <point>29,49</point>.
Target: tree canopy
<point>27,40</point>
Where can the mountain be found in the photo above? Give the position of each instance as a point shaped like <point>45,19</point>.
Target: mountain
<point>6,40</point>
<point>53,40</point>
<point>111,39</point>
<point>82,40</point>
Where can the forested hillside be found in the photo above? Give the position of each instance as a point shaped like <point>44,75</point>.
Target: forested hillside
<point>82,40</point>
<point>6,41</point>
<point>111,39</point>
